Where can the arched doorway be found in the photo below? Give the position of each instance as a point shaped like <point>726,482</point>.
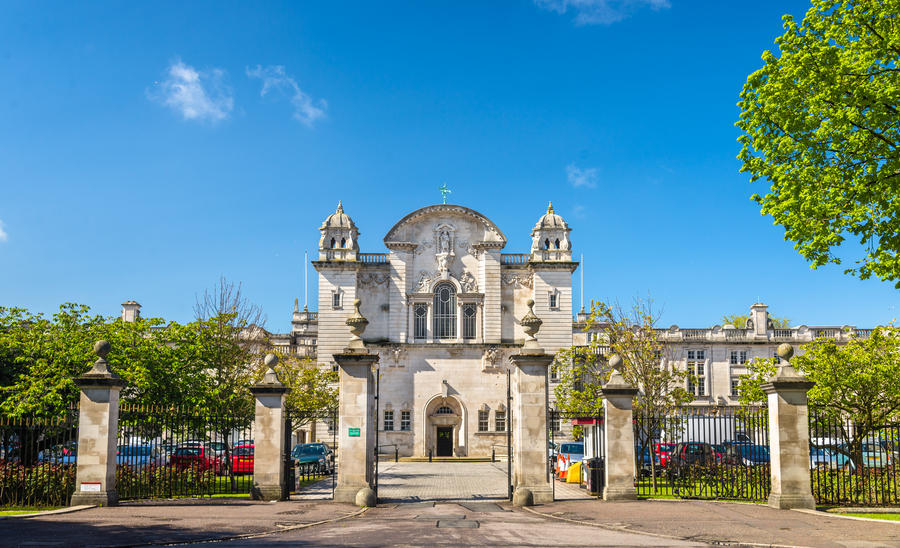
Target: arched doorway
<point>445,427</point>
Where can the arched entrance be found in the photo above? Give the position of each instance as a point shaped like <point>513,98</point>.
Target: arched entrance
<point>445,427</point>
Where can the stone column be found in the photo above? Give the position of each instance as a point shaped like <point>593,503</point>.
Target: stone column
<point>530,463</point>
<point>356,437</point>
<point>789,436</point>
<point>618,439</point>
<point>268,436</point>
<point>98,423</point>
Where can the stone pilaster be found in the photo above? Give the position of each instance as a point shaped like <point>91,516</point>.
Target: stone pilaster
<point>356,438</point>
<point>618,397</point>
<point>98,422</point>
<point>268,437</point>
<point>789,436</point>
<point>530,464</point>
<point>358,423</point>
<point>531,468</point>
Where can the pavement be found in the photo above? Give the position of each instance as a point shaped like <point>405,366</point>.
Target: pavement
<point>446,504</point>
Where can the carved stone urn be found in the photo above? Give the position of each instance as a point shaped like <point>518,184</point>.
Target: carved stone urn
<point>357,323</point>
<point>531,324</point>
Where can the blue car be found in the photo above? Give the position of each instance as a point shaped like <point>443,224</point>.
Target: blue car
<point>747,454</point>
<point>139,456</point>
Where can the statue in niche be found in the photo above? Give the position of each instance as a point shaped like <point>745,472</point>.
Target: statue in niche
<point>445,241</point>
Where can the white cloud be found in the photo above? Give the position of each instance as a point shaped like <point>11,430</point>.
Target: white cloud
<point>274,78</point>
<point>600,12</point>
<point>196,95</point>
<point>582,177</point>
<point>3,235</point>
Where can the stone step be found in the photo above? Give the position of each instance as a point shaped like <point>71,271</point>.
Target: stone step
<point>446,459</point>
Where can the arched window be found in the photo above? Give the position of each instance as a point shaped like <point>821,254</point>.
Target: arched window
<point>443,410</point>
<point>557,243</point>
<point>444,324</point>
<point>332,243</point>
<point>547,243</point>
<point>344,242</point>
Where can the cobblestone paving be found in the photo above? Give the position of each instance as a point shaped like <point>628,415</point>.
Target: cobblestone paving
<point>423,481</point>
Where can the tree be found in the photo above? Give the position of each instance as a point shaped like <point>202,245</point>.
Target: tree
<point>314,391</point>
<point>821,122</point>
<point>631,333</point>
<point>858,382</point>
<point>740,320</point>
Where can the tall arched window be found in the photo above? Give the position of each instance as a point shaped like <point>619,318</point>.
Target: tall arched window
<point>444,311</point>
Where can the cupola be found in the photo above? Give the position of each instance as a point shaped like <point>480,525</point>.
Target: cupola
<point>550,238</point>
<point>340,236</point>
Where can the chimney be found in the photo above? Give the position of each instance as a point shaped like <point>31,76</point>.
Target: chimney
<point>760,316</point>
<point>131,311</point>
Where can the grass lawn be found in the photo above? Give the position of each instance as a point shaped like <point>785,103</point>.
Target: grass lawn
<point>665,490</point>
<point>893,517</point>
<point>26,510</point>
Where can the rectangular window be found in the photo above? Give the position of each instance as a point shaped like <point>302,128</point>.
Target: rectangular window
<point>500,421</point>
<point>336,300</point>
<point>696,367</point>
<point>734,386</point>
<point>468,327</point>
<point>388,420</point>
<point>553,300</point>
<point>738,357</point>
<point>405,421</point>
<point>734,357</point>
<point>483,421</point>
<point>742,359</point>
<point>554,422</point>
<point>421,321</point>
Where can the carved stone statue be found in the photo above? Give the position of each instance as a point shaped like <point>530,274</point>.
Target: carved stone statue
<point>445,242</point>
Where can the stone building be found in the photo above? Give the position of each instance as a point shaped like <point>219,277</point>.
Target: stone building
<point>443,305</point>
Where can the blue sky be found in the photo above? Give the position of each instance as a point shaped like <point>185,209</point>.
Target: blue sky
<point>145,150</point>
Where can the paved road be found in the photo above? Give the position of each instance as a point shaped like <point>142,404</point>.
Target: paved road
<point>477,523</point>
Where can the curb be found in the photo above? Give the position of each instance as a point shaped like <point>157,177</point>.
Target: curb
<point>838,515</point>
<point>68,510</point>
<point>659,535</point>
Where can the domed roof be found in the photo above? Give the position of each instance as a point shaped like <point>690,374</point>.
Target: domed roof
<point>551,220</point>
<point>338,219</point>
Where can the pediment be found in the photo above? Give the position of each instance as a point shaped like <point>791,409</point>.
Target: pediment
<point>444,214</point>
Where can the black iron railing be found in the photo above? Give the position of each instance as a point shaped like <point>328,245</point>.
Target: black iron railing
<point>171,452</point>
<point>37,459</point>
<point>851,465</point>
<point>711,453</point>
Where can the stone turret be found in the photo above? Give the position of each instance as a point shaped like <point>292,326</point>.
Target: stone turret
<point>340,237</point>
<point>550,238</point>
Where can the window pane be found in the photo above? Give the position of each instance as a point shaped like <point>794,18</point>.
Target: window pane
<point>469,314</point>
<point>444,311</point>
<point>421,321</point>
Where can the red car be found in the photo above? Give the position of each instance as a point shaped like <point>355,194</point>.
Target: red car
<point>663,451</point>
<point>196,457</point>
<point>242,459</point>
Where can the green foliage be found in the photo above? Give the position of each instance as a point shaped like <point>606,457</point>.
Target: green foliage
<point>740,320</point>
<point>314,390</point>
<point>857,382</point>
<point>866,487</point>
<point>40,485</point>
<point>206,364</point>
<point>632,335</point>
<point>821,123</point>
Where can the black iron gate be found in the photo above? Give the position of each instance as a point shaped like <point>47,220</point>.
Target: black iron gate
<point>315,460</point>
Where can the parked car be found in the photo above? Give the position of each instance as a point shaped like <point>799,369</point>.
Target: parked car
<point>197,457</point>
<point>824,457</point>
<point>64,454</point>
<point>242,459</point>
<point>313,457</point>
<point>688,454</point>
<point>644,460</point>
<point>139,456</point>
<point>572,451</point>
<point>747,454</point>
<point>664,451</point>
